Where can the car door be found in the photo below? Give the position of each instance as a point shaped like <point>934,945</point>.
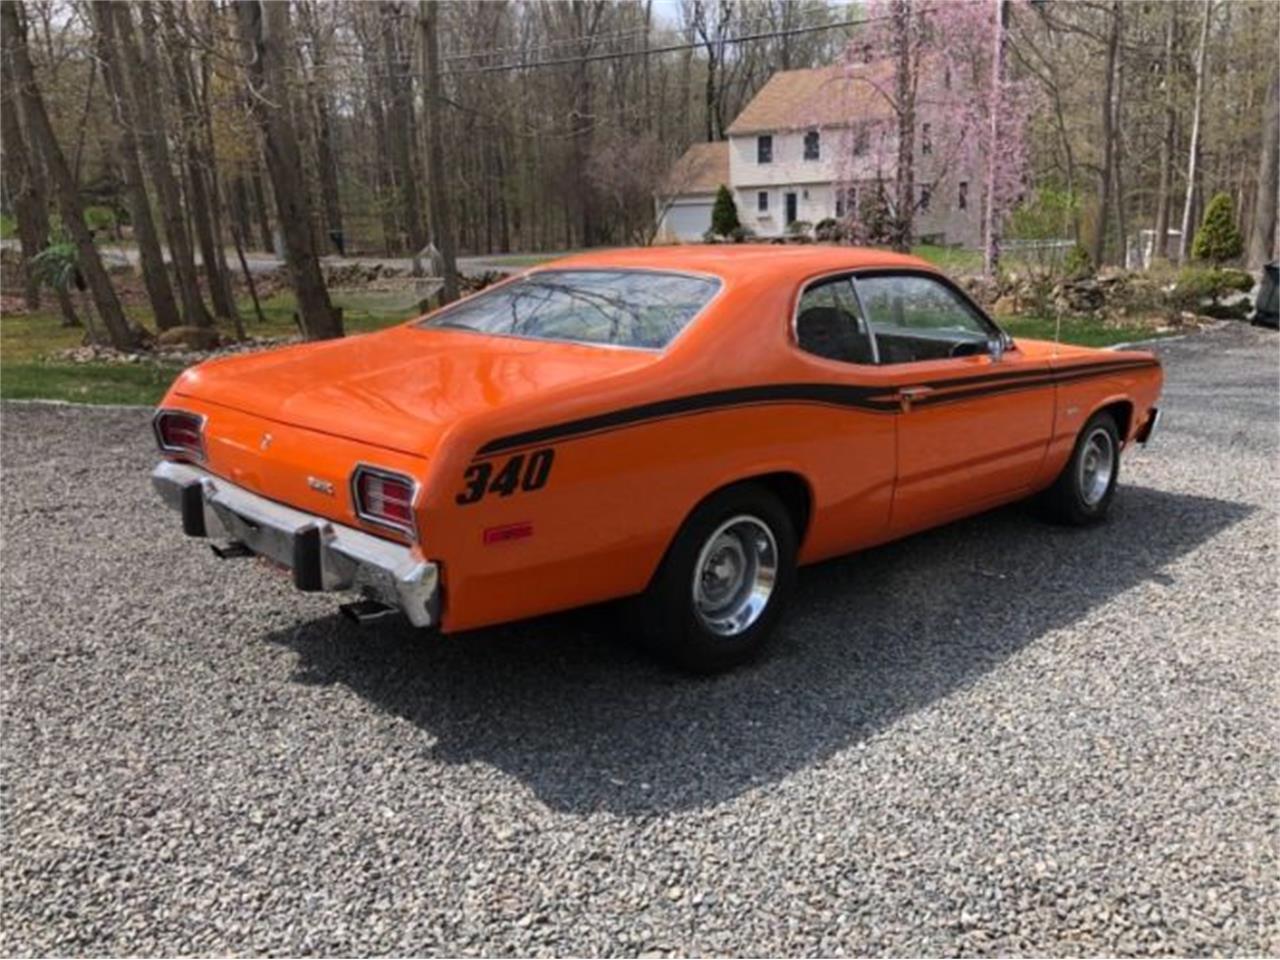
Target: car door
<point>973,425</point>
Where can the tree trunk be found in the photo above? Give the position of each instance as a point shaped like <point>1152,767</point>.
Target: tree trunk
<point>26,183</point>
<point>155,148</point>
<point>1193,159</point>
<point>328,162</point>
<point>238,208</point>
<point>155,275</point>
<point>264,31</point>
<point>217,193</point>
<point>1164,192</point>
<point>399,127</point>
<point>199,200</point>
<point>1117,165</point>
<point>437,194</point>
<point>261,207</point>
<point>122,336</point>
<point>990,221</point>
<point>1262,233</point>
<point>904,92</point>
<point>1106,169</point>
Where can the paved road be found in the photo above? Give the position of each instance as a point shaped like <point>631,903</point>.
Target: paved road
<point>995,738</point>
<point>260,262</point>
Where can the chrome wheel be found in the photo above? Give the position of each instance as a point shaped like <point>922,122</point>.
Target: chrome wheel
<point>1097,465</point>
<point>735,575</point>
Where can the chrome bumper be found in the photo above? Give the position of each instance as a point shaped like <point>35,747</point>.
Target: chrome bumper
<point>323,555</point>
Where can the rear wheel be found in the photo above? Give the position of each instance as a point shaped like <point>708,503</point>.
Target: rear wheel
<point>1083,492</point>
<point>723,583</point>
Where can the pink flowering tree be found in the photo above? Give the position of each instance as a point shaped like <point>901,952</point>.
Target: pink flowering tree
<point>933,104</point>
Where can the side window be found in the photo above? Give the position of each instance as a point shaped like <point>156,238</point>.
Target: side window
<point>918,318</point>
<point>830,325</point>
<point>812,145</point>
<point>764,149</point>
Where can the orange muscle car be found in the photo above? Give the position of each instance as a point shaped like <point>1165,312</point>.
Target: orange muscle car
<point>681,426</point>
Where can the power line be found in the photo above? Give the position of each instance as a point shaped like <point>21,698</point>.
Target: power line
<point>668,48</point>
<point>610,55</point>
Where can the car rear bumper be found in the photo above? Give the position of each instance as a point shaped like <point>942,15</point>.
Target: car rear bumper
<point>323,555</point>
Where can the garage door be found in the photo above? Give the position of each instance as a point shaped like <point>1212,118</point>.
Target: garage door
<point>688,221</point>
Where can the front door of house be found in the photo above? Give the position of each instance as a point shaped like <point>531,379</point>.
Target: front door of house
<point>791,209</point>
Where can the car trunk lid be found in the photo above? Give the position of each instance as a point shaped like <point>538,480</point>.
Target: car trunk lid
<point>400,389</point>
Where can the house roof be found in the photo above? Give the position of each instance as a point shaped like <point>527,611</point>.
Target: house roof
<point>702,169</point>
<point>819,97</point>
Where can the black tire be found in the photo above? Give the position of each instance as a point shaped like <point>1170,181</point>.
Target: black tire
<point>1072,500</point>
<point>669,619</point>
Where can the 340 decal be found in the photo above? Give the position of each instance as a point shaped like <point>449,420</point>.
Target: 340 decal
<point>519,473</point>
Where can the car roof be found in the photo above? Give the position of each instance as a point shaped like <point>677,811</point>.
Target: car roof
<point>740,262</point>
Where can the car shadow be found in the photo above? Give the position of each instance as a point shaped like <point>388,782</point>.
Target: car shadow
<point>565,705</point>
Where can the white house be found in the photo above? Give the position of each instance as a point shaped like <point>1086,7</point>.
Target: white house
<point>811,143</point>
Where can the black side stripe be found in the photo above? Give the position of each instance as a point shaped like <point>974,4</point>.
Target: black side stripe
<point>850,396</point>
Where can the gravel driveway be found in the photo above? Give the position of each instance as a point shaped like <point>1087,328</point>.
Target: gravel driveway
<point>996,738</point>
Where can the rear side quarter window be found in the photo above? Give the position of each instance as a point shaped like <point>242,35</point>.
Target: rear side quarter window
<point>829,323</point>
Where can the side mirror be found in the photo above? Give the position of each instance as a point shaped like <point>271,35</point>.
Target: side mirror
<point>995,347</point>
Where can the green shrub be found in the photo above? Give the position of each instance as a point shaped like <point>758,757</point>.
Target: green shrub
<point>875,220</point>
<point>830,230</point>
<point>1195,285</point>
<point>57,265</point>
<point>1078,263</point>
<point>799,228</point>
<point>724,214</point>
<point>1218,240</point>
<point>8,227</point>
<point>741,234</point>
<point>100,218</point>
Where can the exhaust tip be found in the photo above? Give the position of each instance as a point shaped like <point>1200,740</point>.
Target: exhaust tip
<point>365,611</point>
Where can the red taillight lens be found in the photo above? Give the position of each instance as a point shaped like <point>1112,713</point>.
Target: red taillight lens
<point>385,498</point>
<point>179,432</point>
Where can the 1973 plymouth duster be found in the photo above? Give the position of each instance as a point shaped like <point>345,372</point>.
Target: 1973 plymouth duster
<point>681,426</point>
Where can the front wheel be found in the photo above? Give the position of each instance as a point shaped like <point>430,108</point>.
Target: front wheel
<point>1083,492</point>
<point>723,583</point>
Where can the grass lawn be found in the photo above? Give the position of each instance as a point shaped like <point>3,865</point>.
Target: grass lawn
<point>27,343</point>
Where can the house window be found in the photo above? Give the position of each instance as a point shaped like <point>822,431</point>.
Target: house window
<point>962,201</point>
<point>926,139</point>
<point>926,194</point>
<point>846,201</point>
<point>861,140</point>
<point>762,201</point>
<point>812,145</point>
<point>866,53</point>
<point>764,149</point>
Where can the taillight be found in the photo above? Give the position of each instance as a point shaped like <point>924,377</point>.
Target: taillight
<point>384,498</point>
<point>180,432</point>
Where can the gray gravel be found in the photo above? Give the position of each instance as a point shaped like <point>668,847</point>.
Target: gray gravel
<point>995,738</point>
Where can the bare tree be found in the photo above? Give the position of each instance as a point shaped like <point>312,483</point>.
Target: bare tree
<point>441,221</point>
<point>154,141</point>
<point>265,33</point>
<point>1197,113</point>
<point>1262,235</point>
<point>155,276</point>
<point>23,173</point>
<point>66,190</point>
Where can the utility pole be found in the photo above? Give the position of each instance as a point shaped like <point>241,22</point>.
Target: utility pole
<point>437,197</point>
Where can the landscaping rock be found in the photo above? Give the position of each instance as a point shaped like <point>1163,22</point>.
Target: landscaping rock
<point>193,338</point>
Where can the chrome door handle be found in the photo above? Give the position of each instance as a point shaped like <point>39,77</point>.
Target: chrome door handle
<point>907,395</point>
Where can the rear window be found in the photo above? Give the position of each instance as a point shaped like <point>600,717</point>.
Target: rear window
<point>622,308</point>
